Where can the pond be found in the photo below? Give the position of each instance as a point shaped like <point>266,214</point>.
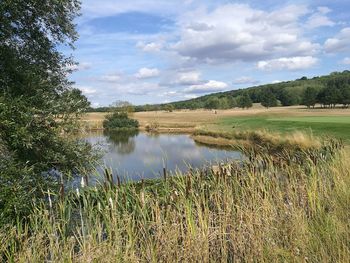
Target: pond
<point>137,155</point>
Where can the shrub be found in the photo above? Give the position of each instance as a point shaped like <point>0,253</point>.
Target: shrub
<point>119,120</point>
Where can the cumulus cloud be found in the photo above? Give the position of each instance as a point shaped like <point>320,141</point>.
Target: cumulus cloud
<point>320,18</point>
<point>111,78</point>
<point>291,63</point>
<point>80,66</point>
<point>245,80</point>
<point>237,32</point>
<point>346,61</point>
<point>88,91</point>
<point>339,43</point>
<point>149,47</point>
<point>188,78</point>
<point>209,86</point>
<point>146,73</point>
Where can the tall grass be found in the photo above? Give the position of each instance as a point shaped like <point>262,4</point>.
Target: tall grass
<point>295,209</point>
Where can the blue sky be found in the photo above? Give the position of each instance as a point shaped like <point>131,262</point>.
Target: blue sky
<point>147,51</point>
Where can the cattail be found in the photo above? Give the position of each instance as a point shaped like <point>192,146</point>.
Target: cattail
<point>50,201</point>
<point>82,182</point>
<point>111,202</point>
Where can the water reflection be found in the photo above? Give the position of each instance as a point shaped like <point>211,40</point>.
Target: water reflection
<point>142,155</point>
<point>122,142</point>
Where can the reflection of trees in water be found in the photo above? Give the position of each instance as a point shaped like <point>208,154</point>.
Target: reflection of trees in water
<point>123,141</point>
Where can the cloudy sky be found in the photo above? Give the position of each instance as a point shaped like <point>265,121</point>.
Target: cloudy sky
<point>152,51</point>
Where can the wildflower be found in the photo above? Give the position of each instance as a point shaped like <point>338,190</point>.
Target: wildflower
<point>78,193</point>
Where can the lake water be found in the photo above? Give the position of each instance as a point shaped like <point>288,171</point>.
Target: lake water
<point>138,155</point>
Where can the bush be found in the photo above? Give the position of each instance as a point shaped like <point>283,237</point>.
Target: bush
<point>119,120</point>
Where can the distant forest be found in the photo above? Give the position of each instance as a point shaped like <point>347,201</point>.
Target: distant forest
<point>328,91</point>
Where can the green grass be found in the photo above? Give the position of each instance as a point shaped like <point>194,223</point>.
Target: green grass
<point>335,126</point>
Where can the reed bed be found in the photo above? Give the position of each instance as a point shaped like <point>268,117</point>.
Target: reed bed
<point>292,206</point>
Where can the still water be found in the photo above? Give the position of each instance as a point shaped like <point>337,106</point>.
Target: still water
<point>137,155</point>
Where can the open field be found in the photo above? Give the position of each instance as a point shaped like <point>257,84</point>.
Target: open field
<point>333,122</point>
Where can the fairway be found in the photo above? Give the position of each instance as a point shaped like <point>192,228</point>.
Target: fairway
<point>319,119</point>
<point>337,126</point>
<point>320,122</point>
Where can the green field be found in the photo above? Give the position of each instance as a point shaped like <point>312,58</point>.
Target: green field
<point>337,126</point>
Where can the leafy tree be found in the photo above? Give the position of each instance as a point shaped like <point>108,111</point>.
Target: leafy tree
<point>268,99</point>
<point>244,101</point>
<point>37,102</point>
<point>121,105</point>
<point>345,95</point>
<point>329,96</point>
<point>310,97</point>
<point>289,97</point>
<point>169,107</point>
<point>119,121</point>
<point>212,103</point>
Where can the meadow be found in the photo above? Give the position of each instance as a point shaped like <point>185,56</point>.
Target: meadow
<point>286,205</point>
<point>319,122</point>
<point>287,201</point>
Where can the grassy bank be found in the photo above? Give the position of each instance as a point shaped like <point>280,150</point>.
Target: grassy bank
<point>293,210</point>
<point>334,126</point>
<point>319,122</point>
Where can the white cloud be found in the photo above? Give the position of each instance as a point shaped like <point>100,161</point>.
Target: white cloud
<point>324,10</point>
<point>276,81</point>
<point>209,86</point>
<point>111,78</point>
<point>339,43</point>
<point>235,32</point>
<point>149,47</point>
<point>319,18</point>
<point>80,66</point>
<point>346,61</point>
<point>245,80</point>
<point>190,96</point>
<point>87,90</point>
<point>291,63</point>
<point>188,78</point>
<point>145,73</point>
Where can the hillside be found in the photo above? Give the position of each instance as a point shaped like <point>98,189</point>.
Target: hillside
<point>288,93</point>
<point>327,90</point>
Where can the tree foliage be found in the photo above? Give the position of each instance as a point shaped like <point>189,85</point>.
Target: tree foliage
<point>244,101</point>
<point>310,97</point>
<point>268,99</point>
<point>119,120</point>
<point>37,102</point>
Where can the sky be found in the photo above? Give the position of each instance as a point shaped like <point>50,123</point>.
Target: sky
<point>147,51</point>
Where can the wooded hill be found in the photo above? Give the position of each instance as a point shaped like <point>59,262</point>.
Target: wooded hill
<point>328,90</point>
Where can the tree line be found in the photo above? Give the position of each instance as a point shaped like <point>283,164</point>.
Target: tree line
<point>328,91</point>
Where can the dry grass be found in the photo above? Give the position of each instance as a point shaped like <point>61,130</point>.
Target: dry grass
<point>296,210</point>
<point>198,119</point>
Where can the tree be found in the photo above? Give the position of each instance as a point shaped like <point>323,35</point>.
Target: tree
<point>169,107</point>
<point>310,97</point>
<point>289,97</point>
<point>212,103</point>
<point>244,101</point>
<point>268,99</point>
<point>329,96</point>
<point>345,95</point>
<point>37,102</point>
<point>119,120</point>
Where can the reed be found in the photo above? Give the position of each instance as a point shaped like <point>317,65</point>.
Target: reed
<point>259,210</point>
